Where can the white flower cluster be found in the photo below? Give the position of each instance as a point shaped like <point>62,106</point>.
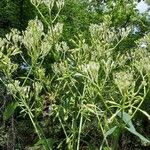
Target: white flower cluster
<point>37,42</point>
<point>60,68</point>
<point>124,80</point>
<point>102,33</point>
<point>15,88</point>
<point>91,70</point>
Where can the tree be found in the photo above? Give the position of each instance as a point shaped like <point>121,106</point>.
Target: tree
<point>15,14</point>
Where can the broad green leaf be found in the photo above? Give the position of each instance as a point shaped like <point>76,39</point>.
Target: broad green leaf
<point>110,131</point>
<point>9,111</point>
<point>138,135</point>
<point>127,119</point>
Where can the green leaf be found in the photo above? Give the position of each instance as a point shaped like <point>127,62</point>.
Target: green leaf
<point>110,131</point>
<point>127,119</point>
<point>48,143</point>
<point>138,135</point>
<point>9,111</point>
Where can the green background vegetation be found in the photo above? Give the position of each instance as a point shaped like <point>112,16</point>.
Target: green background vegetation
<point>74,75</point>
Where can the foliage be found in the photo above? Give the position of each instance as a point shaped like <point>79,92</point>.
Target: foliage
<point>15,14</point>
<point>77,94</point>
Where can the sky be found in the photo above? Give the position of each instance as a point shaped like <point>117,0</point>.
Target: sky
<point>142,6</point>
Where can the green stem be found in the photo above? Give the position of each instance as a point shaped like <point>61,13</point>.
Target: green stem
<point>79,133</point>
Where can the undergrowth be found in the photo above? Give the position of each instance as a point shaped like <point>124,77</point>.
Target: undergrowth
<point>84,97</point>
